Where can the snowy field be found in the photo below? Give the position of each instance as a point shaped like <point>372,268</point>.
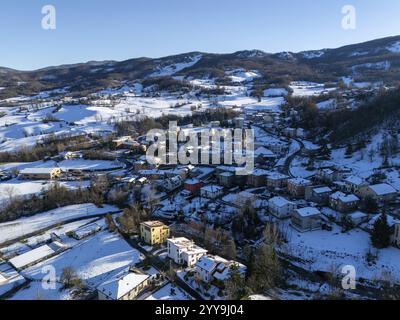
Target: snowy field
<point>23,226</point>
<point>309,89</point>
<point>275,92</point>
<point>65,165</point>
<point>331,250</point>
<point>18,188</point>
<point>171,69</point>
<point>25,128</point>
<point>94,260</point>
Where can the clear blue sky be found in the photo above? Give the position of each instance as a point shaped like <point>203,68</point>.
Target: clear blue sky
<point>123,29</point>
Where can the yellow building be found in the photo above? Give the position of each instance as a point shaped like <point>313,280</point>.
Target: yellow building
<point>154,232</point>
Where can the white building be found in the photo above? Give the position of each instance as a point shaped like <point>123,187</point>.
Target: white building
<point>184,251</point>
<point>36,255</point>
<point>354,184</point>
<point>307,219</point>
<point>211,267</point>
<point>211,192</point>
<point>125,286</point>
<point>281,207</point>
<point>358,217</point>
<point>380,192</point>
<point>172,184</point>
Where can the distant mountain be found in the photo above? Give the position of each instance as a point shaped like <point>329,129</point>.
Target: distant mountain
<point>377,60</point>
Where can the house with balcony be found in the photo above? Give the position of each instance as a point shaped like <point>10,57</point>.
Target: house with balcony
<point>154,232</point>
<point>184,251</point>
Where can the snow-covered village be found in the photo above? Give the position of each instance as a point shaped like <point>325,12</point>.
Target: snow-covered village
<point>87,214</point>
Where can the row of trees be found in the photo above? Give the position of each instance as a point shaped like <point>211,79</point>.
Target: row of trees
<point>50,146</point>
<point>142,126</point>
<point>53,197</point>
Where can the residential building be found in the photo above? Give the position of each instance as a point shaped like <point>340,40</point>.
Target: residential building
<point>126,142</point>
<point>380,192</point>
<point>172,184</point>
<point>210,268</point>
<point>318,194</point>
<point>211,192</point>
<point>124,286</point>
<point>326,175</point>
<point>280,207</point>
<point>258,178</point>
<point>40,173</point>
<point>358,217</point>
<point>226,179</point>
<point>296,187</point>
<point>310,149</point>
<point>354,184</point>
<point>306,219</point>
<point>245,198</point>
<point>263,155</point>
<point>184,251</point>
<point>154,232</point>
<point>343,203</point>
<point>193,185</point>
<point>277,180</point>
<point>277,147</point>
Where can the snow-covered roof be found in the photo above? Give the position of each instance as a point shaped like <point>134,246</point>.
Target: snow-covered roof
<point>299,181</point>
<point>212,188</point>
<point>279,201</point>
<point>37,170</point>
<point>31,256</point>
<point>343,197</point>
<point>322,190</point>
<point>117,287</point>
<point>209,263</point>
<point>226,174</point>
<point>87,230</point>
<point>354,180</point>
<point>277,176</point>
<point>308,212</point>
<point>390,219</point>
<point>224,269</point>
<point>327,171</point>
<point>382,189</point>
<point>357,215</point>
<point>192,181</point>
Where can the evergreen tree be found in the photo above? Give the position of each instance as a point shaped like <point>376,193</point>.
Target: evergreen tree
<point>380,235</point>
<point>265,269</point>
<point>370,205</point>
<point>235,286</point>
<point>230,249</point>
<point>325,153</point>
<point>349,150</point>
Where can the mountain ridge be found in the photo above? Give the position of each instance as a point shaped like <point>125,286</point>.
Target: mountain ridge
<point>363,60</point>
